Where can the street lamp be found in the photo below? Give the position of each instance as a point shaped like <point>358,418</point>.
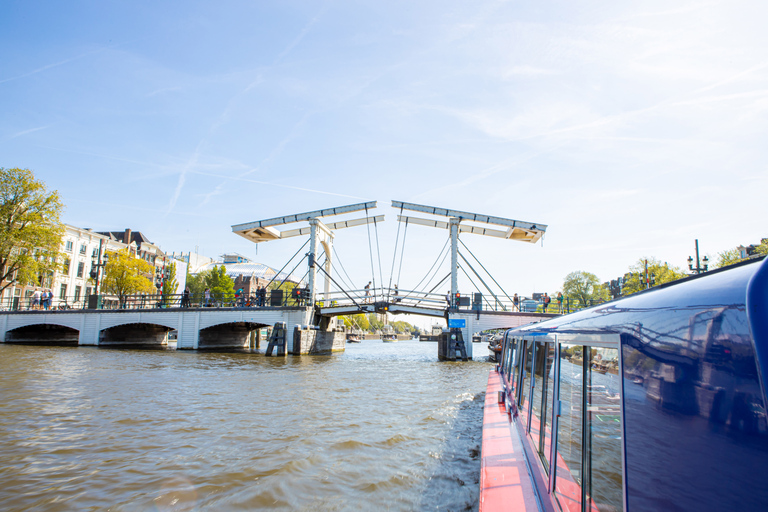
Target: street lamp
<point>97,263</point>
<point>699,268</point>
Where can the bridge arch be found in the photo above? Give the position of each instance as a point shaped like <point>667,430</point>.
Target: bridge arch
<point>61,319</point>
<point>43,333</point>
<point>171,321</point>
<point>135,333</point>
<point>232,334</point>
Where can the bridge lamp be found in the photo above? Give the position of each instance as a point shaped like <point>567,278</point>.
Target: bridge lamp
<point>96,265</point>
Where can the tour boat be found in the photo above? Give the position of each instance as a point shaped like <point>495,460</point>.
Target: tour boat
<point>656,401</point>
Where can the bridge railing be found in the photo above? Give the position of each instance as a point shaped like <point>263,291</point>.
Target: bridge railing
<point>381,295</point>
<point>272,298</point>
<point>471,302</point>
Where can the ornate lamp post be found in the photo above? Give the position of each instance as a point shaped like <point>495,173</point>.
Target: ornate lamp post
<point>97,263</point>
<point>699,268</point>
<point>161,275</point>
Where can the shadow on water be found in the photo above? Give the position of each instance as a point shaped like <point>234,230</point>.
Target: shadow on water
<point>454,483</point>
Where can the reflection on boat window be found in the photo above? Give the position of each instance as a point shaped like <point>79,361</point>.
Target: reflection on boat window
<point>602,442</point>
<point>569,452</point>
<point>526,382</point>
<point>546,378</point>
<point>510,361</point>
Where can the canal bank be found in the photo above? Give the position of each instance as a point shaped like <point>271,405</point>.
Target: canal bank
<point>378,426</point>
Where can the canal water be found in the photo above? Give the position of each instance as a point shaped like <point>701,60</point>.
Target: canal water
<point>377,427</point>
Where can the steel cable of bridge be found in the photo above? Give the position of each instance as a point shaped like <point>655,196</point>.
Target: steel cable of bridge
<point>445,256</point>
<point>476,287</point>
<point>351,284</point>
<point>461,255</point>
<point>378,252</point>
<point>402,251</point>
<point>370,252</point>
<point>416,288</point>
<point>289,261</point>
<point>394,256</point>
<point>340,288</point>
<point>486,271</point>
<point>293,270</point>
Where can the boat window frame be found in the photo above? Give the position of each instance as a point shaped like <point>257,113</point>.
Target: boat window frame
<point>598,340</point>
<point>532,338</point>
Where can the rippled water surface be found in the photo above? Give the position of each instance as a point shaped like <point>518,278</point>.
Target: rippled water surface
<point>378,427</point>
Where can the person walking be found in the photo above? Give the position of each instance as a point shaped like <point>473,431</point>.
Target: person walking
<point>185,298</point>
<point>547,299</point>
<point>367,291</point>
<point>560,302</point>
<point>36,299</point>
<point>515,303</point>
<point>206,297</point>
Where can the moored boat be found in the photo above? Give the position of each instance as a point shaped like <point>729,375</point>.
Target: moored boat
<point>635,404</point>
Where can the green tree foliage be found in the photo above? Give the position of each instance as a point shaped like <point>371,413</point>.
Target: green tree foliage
<point>170,285</point>
<point>728,257</point>
<point>125,275</point>
<point>374,322</point>
<point>662,272</point>
<point>731,256</point>
<point>197,285</point>
<point>584,287</point>
<point>222,286</point>
<point>359,321</point>
<point>30,229</point>
<point>370,323</point>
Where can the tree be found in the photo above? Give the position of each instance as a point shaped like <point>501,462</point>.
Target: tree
<point>359,321</point>
<point>197,285</point>
<point>30,229</point>
<point>170,285</point>
<point>222,286</point>
<point>731,256</point>
<point>585,287</point>
<point>728,257</point>
<point>662,273</point>
<point>125,275</point>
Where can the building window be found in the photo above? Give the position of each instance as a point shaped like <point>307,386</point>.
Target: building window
<point>88,291</point>
<point>95,252</point>
<point>65,268</point>
<point>83,248</point>
<point>78,289</point>
<point>63,291</point>
<point>80,268</point>
<point>68,246</point>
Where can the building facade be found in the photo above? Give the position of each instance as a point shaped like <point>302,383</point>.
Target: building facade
<point>72,283</point>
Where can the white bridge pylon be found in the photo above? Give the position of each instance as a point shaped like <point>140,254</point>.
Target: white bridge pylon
<point>318,231</point>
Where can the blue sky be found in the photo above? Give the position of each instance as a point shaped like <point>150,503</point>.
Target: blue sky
<point>629,129</point>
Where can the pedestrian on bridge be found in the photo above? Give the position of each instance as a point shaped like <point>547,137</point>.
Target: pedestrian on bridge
<point>515,303</point>
<point>547,299</point>
<point>367,291</point>
<point>263,296</point>
<point>185,298</point>
<point>206,297</point>
<point>560,302</point>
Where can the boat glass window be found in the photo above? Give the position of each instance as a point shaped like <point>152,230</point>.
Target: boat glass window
<point>525,380</point>
<point>511,351</point>
<point>548,386</point>
<point>602,442</point>
<point>569,429</point>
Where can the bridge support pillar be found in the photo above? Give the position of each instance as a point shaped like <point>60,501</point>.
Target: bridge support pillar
<point>315,341</point>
